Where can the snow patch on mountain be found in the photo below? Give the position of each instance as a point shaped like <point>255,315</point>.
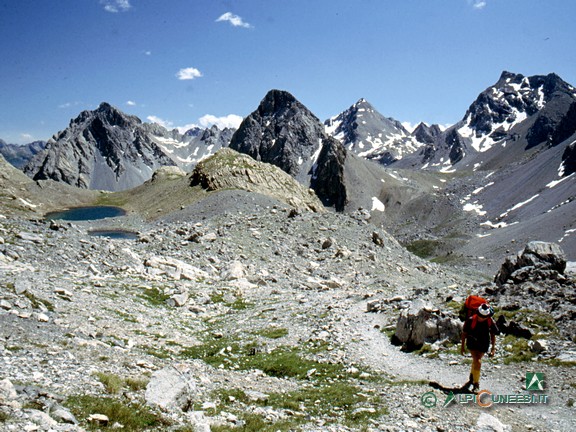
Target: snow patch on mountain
<point>377,205</point>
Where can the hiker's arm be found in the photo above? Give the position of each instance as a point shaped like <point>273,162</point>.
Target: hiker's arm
<point>493,341</point>
<point>463,344</point>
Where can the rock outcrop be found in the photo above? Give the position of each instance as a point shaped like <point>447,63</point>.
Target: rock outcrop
<point>420,323</point>
<point>534,281</point>
<point>538,260</point>
<point>228,169</point>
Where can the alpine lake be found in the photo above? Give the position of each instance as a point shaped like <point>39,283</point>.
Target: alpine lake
<point>93,213</point>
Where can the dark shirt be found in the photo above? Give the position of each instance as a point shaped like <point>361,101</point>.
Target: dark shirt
<point>478,338</point>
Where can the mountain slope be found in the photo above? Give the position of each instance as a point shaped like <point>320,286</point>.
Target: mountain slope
<point>100,149</point>
<point>192,147</point>
<point>506,123</point>
<point>369,134</point>
<point>110,150</point>
<point>20,155</point>
<point>283,132</point>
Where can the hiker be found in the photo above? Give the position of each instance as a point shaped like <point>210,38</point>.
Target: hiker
<point>478,334</point>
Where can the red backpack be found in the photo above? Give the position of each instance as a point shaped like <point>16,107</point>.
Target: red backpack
<point>470,307</point>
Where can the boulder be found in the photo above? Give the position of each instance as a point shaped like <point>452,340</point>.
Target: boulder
<point>422,323</point>
<point>175,268</point>
<point>235,270</point>
<point>536,256</point>
<point>489,423</point>
<point>7,392</point>
<point>171,388</point>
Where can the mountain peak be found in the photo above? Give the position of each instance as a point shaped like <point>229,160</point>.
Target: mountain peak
<point>277,101</point>
<point>105,106</point>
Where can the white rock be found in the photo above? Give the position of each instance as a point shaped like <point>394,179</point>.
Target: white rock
<point>7,391</point>
<point>170,388</point>
<point>99,419</point>
<point>235,270</point>
<point>42,317</point>
<point>41,419</point>
<point>489,423</point>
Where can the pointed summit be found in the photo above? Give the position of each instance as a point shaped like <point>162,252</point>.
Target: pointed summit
<point>283,132</point>
<point>369,134</point>
<point>100,149</point>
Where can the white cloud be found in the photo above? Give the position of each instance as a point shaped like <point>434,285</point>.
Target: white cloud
<point>27,137</point>
<point>131,103</point>
<point>206,121</point>
<point>115,6</point>
<point>166,123</point>
<point>230,121</point>
<point>188,73</point>
<point>235,20</point>
<point>477,4</point>
<point>69,104</point>
<point>409,126</point>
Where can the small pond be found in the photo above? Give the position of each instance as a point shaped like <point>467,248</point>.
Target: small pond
<point>117,234</point>
<point>86,213</point>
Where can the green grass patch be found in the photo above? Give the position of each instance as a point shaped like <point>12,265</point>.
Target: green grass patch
<point>158,352</point>
<point>132,417</point>
<point>114,383</point>
<point>37,301</point>
<point>518,350</point>
<point>423,248</point>
<point>339,401</point>
<point>254,423</point>
<point>280,362</point>
<point>273,332</point>
<point>154,296</point>
<point>4,417</point>
<point>542,321</point>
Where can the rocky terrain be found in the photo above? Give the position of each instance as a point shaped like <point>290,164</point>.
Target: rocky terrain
<point>237,313</point>
<point>273,290</point>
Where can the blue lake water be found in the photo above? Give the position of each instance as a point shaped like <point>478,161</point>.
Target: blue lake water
<point>86,213</point>
<point>117,234</point>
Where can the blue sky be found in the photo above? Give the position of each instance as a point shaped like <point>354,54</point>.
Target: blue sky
<point>184,62</point>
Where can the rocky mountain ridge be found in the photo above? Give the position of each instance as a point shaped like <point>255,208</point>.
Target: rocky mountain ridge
<point>110,150</point>
<point>19,155</point>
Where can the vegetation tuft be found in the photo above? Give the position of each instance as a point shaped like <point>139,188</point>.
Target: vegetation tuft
<point>132,417</point>
<point>154,296</point>
<point>114,384</point>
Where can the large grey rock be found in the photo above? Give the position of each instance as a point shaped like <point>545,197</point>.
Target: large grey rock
<point>171,388</point>
<point>489,423</point>
<point>7,392</point>
<point>537,255</point>
<point>420,323</point>
<point>174,268</point>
